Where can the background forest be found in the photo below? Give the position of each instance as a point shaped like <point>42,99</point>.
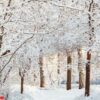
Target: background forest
<point>50,49</point>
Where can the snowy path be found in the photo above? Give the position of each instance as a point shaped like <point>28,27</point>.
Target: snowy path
<point>32,93</point>
<point>59,94</point>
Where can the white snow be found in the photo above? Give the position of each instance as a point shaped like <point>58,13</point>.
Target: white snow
<point>33,93</point>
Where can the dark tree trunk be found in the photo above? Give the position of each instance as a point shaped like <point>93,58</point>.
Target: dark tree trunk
<point>69,61</point>
<point>91,41</point>
<point>41,72</point>
<point>1,36</point>
<point>87,81</point>
<point>68,79</point>
<point>22,85</point>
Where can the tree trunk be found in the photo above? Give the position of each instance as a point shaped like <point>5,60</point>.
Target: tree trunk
<point>1,37</point>
<point>81,79</point>
<point>80,68</point>
<point>69,62</point>
<point>22,85</point>
<point>87,81</point>
<point>41,72</point>
<point>58,69</point>
<point>91,41</point>
<point>68,79</point>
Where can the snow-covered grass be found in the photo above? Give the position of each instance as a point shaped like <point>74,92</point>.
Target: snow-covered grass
<point>33,93</point>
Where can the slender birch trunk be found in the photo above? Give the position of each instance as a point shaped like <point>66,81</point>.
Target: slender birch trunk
<point>81,70</point>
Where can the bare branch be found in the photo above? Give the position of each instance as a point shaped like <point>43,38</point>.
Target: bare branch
<point>16,51</point>
<point>7,75</point>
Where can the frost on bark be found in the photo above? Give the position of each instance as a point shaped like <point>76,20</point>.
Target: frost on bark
<point>69,71</point>
<point>81,70</point>
<point>41,72</point>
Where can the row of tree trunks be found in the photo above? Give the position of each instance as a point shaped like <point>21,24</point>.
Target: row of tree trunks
<point>69,73</point>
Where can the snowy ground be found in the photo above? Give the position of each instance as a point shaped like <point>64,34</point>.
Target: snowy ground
<point>32,93</point>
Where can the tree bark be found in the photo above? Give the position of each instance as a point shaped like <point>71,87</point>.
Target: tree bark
<point>69,62</point>
<point>81,79</point>
<point>42,82</point>
<point>87,81</point>
<point>80,68</point>
<point>1,37</point>
<point>58,69</point>
<point>91,41</point>
<point>22,85</point>
<point>68,79</point>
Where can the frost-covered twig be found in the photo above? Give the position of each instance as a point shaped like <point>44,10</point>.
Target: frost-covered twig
<point>6,76</point>
<point>16,51</point>
<point>73,8</point>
